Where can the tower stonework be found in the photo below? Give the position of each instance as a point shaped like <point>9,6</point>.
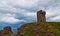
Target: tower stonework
<point>41,16</point>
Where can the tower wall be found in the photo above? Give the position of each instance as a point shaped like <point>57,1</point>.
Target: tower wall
<point>41,16</point>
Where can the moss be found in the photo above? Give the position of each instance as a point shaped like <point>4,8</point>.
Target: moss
<point>51,27</point>
<point>8,34</point>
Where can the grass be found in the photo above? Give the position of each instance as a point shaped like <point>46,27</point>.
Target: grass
<point>8,34</point>
<point>28,29</point>
<point>51,27</point>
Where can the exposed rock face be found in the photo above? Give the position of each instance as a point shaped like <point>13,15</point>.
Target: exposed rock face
<point>20,30</point>
<point>41,16</point>
<point>7,30</point>
<point>1,34</point>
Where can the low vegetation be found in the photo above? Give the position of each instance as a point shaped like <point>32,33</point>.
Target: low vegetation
<point>29,29</point>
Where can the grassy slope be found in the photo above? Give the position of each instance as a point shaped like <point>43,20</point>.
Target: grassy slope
<point>8,34</point>
<point>51,26</point>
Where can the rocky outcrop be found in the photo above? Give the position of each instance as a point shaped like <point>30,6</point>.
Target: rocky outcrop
<point>7,30</point>
<point>1,32</point>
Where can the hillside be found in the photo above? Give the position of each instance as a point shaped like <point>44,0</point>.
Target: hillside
<point>40,29</point>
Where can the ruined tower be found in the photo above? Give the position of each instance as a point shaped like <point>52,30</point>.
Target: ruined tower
<point>41,16</point>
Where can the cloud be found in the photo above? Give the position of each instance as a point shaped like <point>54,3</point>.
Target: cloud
<point>9,18</point>
<point>25,10</point>
<point>54,19</point>
<point>53,11</point>
<point>21,3</point>
<point>24,3</point>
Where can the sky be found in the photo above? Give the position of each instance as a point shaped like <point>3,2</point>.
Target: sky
<point>15,13</point>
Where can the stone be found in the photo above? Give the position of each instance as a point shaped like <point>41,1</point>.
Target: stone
<point>50,34</point>
<point>41,16</point>
<point>1,34</point>
<point>7,30</point>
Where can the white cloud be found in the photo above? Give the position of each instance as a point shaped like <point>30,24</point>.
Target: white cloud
<point>10,18</point>
<point>24,3</point>
<point>53,11</point>
<point>30,14</point>
<point>56,18</point>
<point>11,9</point>
<point>52,7</point>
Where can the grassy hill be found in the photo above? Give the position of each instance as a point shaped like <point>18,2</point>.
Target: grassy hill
<point>28,29</point>
<point>39,29</point>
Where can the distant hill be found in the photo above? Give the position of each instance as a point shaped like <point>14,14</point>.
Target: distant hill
<point>42,28</point>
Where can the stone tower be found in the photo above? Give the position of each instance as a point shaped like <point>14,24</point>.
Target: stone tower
<point>41,16</point>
